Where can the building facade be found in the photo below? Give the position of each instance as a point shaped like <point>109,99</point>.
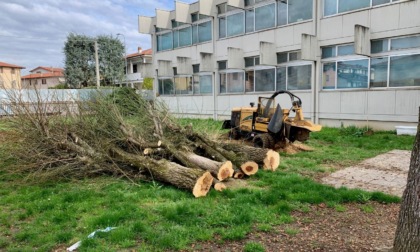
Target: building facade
<point>10,76</point>
<point>43,78</point>
<point>351,62</point>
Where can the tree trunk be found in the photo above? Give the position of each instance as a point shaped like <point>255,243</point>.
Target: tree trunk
<point>266,157</point>
<point>218,186</point>
<point>195,180</point>
<point>221,171</point>
<point>249,168</point>
<point>407,235</point>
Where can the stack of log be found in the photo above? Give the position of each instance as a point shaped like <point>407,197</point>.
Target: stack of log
<point>99,140</point>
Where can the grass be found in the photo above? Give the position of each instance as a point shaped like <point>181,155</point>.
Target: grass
<point>153,217</point>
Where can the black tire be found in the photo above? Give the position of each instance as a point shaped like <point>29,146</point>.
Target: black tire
<point>234,134</point>
<point>263,141</point>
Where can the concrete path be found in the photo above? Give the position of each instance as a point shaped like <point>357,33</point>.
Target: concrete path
<point>385,173</point>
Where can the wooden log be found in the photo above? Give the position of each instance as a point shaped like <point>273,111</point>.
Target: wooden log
<point>218,186</point>
<point>249,168</point>
<point>220,170</point>
<point>268,158</point>
<point>196,180</point>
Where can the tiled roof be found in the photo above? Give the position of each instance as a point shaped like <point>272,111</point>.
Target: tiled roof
<point>49,69</point>
<point>144,52</point>
<point>4,64</point>
<point>43,75</point>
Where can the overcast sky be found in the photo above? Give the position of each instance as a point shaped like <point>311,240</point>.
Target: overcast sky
<point>33,32</point>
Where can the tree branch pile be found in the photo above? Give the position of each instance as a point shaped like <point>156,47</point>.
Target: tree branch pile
<point>123,135</point>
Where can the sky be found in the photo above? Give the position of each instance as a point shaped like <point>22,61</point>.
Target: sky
<point>33,32</point>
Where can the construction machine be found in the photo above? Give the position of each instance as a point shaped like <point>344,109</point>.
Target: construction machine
<point>268,124</point>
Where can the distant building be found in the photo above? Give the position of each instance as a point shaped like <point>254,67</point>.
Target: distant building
<point>10,76</point>
<point>139,64</point>
<point>43,77</point>
<point>354,62</point>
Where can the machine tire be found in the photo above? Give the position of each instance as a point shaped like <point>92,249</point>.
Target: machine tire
<point>234,134</point>
<point>263,141</point>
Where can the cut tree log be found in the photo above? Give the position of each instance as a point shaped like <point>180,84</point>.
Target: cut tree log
<point>196,180</point>
<point>218,186</point>
<point>220,170</point>
<point>268,158</point>
<point>249,168</point>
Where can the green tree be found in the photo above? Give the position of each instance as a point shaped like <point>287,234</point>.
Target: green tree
<point>80,66</point>
<point>148,83</point>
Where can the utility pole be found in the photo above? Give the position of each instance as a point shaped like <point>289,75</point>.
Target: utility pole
<point>97,64</point>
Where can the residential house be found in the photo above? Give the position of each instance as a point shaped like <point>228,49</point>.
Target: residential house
<point>138,65</point>
<point>10,76</point>
<point>43,78</point>
<point>351,62</point>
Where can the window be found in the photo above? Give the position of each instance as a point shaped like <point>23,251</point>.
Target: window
<point>252,61</point>
<point>44,81</point>
<point>288,56</point>
<point>328,75</point>
<point>221,8</point>
<point>404,71</point>
<point>204,32</point>
<point>135,68</point>
<point>222,27</point>
<point>164,41</point>
<point>235,24</point>
<point>332,7</point>
<point>249,20</point>
<point>196,17</point>
<point>265,79</point>
<point>346,74</point>
<point>379,72</point>
<point>203,84</point>
<point>292,11</point>
<point>166,86</point>
<point>338,50</point>
<point>222,65</point>
<point>294,77</point>
<point>265,17</point>
<point>196,68</point>
<point>183,85</point>
<point>232,82</point>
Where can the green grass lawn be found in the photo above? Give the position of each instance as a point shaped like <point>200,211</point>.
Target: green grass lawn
<point>156,217</point>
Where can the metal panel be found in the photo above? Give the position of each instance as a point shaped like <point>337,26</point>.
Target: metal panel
<point>407,102</point>
<point>182,12</point>
<point>362,40</point>
<point>235,58</point>
<point>236,3</point>
<point>381,103</point>
<point>207,7</point>
<point>353,102</point>
<point>165,68</point>
<point>309,47</point>
<point>163,19</point>
<point>184,65</point>
<point>145,25</point>
<point>206,62</point>
<point>267,54</point>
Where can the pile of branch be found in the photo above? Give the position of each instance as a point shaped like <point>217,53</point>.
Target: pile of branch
<point>144,141</point>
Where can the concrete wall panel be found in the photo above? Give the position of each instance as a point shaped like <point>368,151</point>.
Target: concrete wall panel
<point>331,28</point>
<point>353,102</point>
<point>407,102</point>
<point>381,103</point>
<point>329,102</point>
<point>350,20</point>
<point>409,14</point>
<point>385,18</point>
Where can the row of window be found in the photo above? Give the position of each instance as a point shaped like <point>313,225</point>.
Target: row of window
<point>186,85</point>
<point>263,17</point>
<point>190,35</point>
<point>332,7</point>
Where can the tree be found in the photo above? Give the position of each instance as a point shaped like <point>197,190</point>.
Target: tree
<point>80,60</point>
<point>407,236</point>
<point>148,83</point>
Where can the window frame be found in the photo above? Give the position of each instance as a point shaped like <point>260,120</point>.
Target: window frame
<point>230,71</point>
<point>354,10</point>
<point>295,63</point>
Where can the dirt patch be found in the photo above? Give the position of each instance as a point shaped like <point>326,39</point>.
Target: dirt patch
<point>324,229</point>
<point>385,173</point>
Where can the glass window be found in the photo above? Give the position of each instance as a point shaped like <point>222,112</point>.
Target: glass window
<point>330,7</point>
<point>249,81</point>
<point>249,61</point>
<point>404,43</point>
<point>185,36</point>
<point>204,32</point>
<point>265,17</point>
<point>329,74</point>
<point>345,50</point>
<point>281,78</point>
<point>166,86</point>
<point>183,85</point>
<point>346,5</point>
<point>378,72</point>
<point>328,52</point>
<point>194,17</point>
<point>206,84</point>
<point>235,24</point>
<point>222,65</point>
<point>281,58</point>
<point>249,20</point>
<point>235,82</point>
<point>222,88</point>
<point>299,10</point>
<point>222,27</point>
<point>377,2</point>
<point>249,2</point>
<point>176,39</point>
<point>257,60</point>
<point>295,56</point>
<point>265,79</point>
<point>164,41</point>
<point>377,46</point>
<point>196,84</point>
<point>195,34</point>
<point>299,77</point>
<point>352,74</point>
<point>282,12</point>
<point>221,8</point>
<point>196,68</point>
<point>404,71</point>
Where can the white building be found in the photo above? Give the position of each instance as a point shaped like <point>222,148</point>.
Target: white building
<point>351,62</point>
<point>138,65</point>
